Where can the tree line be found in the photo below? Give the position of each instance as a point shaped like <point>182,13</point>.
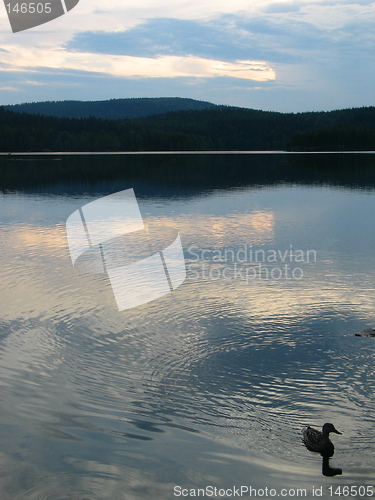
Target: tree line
<point>113,109</point>
<point>218,128</point>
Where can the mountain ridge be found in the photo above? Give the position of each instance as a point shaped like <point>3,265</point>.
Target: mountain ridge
<point>215,128</point>
<point>111,109</point>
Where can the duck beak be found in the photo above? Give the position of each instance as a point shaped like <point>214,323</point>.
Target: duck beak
<point>337,432</point>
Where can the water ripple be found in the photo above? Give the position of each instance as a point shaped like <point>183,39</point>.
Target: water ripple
<point>244,363</point>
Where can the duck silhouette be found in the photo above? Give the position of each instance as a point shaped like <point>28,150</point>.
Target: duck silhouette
<point>329,471</point>
<point>319,441</point>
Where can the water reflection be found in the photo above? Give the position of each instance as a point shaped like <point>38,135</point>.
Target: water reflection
<point>327,470</point>
<point>183,175</point>
<point>102,403</point>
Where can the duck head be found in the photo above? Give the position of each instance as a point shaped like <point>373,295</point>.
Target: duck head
<point>327,428</point>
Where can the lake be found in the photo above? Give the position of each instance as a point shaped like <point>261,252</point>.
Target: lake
<point>207,386</point>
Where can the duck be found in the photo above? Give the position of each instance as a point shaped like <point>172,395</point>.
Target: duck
<point>369,332</point>
<point>319,441</point>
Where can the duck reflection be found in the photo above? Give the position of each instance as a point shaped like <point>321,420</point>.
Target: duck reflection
<point>318,441</point>
<point>327,470</point>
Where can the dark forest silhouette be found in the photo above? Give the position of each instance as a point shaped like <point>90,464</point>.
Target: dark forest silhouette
<point>213,128</point>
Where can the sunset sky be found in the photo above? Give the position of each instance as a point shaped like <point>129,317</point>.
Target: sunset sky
<point>264,54</point>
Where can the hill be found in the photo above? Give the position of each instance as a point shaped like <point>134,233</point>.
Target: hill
<point>113,109</point>
<point>231,128</point>
<point>215,128</point>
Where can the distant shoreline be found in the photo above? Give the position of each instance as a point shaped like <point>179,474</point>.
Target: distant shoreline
<point>119,153</point>
<point>217,130</point>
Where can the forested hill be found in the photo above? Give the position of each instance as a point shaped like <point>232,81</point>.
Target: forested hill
<point>219,128</point>
<point>231,128</point>
<point>112,109</point>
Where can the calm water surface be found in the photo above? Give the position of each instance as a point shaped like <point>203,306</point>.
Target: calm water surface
<point>210,384</point>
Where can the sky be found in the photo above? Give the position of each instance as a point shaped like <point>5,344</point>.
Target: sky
<point>289,56</point>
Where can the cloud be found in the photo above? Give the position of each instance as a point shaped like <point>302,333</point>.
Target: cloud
<point>34,82</point>
<point>138,67</point>
<point>300,54</point>
<point>282,32</point>
<point>335,16</point>
<point>10,89</point>
<point>160,36</point>
<point>227,38</point>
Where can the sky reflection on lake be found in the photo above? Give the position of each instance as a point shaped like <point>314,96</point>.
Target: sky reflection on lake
<point>210,384</point>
